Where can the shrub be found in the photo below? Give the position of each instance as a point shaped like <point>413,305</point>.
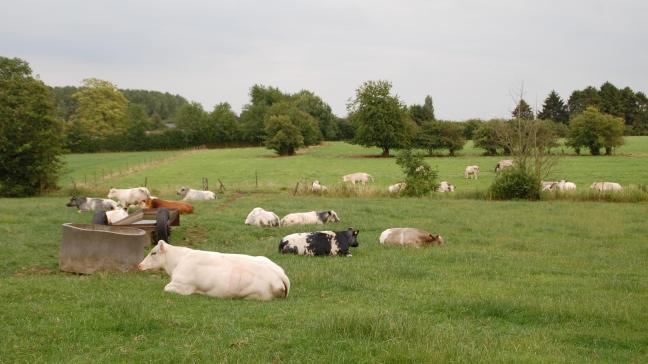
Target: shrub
<point>515,184</point>
<point>420,178</point>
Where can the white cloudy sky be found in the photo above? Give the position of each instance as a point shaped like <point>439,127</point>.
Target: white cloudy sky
<point>469,55</point>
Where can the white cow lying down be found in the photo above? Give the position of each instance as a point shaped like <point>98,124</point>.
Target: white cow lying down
<point>360,177</point>
<point>191,194</point>
<point>217,274</point>
<point>261,217</point>
<point>397,187</point>
<point>309,218</point>
<point>606,186</point>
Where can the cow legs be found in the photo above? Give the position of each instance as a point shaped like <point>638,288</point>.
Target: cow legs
<point>179,288</point>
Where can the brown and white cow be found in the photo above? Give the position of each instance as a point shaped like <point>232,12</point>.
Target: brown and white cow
<point>409,236</point>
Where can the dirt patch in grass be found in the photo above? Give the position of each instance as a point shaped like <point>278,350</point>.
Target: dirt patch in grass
<point>32,271</point>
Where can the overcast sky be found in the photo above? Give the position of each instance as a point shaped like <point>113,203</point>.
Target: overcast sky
<point>469,55</point>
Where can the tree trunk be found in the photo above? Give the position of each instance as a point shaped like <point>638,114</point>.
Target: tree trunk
<point>385,152</point>
<point>608,150</point>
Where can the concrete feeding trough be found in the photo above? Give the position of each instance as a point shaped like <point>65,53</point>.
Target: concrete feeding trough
<point>90,248</point>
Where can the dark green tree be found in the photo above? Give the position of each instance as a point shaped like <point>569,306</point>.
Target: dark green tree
<point>195,123</point>
<point>225,121</point>
<point>486,137</point>
<point>523,111</point>
<point>255,113</point>
<point>581,99</point>
<point>436,135</point>
<point>283,135</point>
<point>101,109</point>
<point>470,127</point>
<point>420,178</point>
<point>554,108</point>
<point>30,134</point>
<point>380,118</point>
<point>312,104</point>
<point>611,101</point>
<point>422,113</point>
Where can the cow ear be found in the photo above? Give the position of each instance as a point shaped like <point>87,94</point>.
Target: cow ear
<point>356,232</point>
<point>161,244</point>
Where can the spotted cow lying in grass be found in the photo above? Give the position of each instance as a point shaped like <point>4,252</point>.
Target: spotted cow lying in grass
<point>320,243</point>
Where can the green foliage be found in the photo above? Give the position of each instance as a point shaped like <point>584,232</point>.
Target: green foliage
<point>486,136</point>
<point>420,178</point>
<point>515,183</point>
<point>312,104</point>
<point>379,117</point>
<point>283,135</point>
<point>101,109</point>
<point>422,113</point>
<point>581,99</point>
<point>225,121</point>
<point>595,130</point>
<point>440,135</point>
<point>470,127</point>
<point>523,111</point>
<point>164,105</point>
<point>194,121</point>
<point>554,108</point>
<point>30,134</point>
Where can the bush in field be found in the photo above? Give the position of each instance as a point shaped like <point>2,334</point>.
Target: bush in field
<point>419,176</point>
<point>29,132</point>
<point>515,184</point>
<point>283,135</point>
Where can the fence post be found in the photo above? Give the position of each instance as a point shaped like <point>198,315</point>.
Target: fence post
<point>222,186</point>
<point>256,180</point>
<point>296,187</point>
<point>145,181</point>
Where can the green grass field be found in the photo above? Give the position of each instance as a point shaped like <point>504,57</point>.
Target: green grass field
<point>549,281</point>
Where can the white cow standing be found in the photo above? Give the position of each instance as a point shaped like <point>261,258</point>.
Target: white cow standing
<point>217,274</point>
<point>261,217</point>
<point>361,177</point>
<point>606,186</point>
<point>129,196</point>
<point>471,172</point>
<point>191,194</point>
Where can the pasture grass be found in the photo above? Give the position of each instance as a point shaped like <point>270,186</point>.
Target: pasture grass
<point>550,281</point>
<point>515,282</point>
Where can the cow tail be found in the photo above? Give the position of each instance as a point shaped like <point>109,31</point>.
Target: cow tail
<point>286,284</point>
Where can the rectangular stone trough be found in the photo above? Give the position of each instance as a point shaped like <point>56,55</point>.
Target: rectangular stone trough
<point>89,248</point>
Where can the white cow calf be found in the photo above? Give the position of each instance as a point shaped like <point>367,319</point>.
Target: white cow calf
<point>444,186</point>
<point>317,187</point>
<point>261,217</point>
<point>217,274</point>
<point>359,177</point>
<point>191,194</point>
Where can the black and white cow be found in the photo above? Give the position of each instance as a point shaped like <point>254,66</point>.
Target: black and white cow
<point>92,204</point>
<point>320,243</point>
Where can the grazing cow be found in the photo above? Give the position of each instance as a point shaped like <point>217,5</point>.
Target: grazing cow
<point>606,186</point>
<point>503,164</point>
<point>354,178</point>
<point>444,186</point>
<point>320,243</point>
<point>191,194</point>
<point>261,217</point>
<point>156,203</point>
<point>217,274</point>
<point>396,188</point>
<point>92,204</point>
<point>317,187</point>
<point>472,172</point>
<point>547,185</point>
<point>409,236</point>
<point>129,196</point>
<point>309,218</point>
<point>563,186</point>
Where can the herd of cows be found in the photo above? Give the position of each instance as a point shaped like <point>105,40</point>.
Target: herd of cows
<point>256,277</point>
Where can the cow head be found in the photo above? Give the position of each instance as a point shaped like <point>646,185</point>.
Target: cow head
<point>434,239</point>
<point>183,191</point>
<point>353,236</point>
<point>328,216</point>
<point>75,201</point>
<point>156,258</point>
<point>112,193</point>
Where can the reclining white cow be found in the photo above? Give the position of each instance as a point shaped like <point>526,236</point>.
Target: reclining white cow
<point>317,187</point>
<point>606,186</point>
<point>261,217</point>
<point>503,164</point>
<point>309,218</point>
<point>191,194</point>
<point>472,172</point>
<point>359,177</point>
<point>444,186</point>
<point>396,188</point>
<point>129,196</point>
<point>216,274</point>
<point>563,186</point>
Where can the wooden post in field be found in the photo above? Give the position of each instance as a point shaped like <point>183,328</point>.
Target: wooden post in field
<point>205,183</point>
<point>95,178</point>
<point>145,181</point>
<point>85,180</point>
<point>222,186</point>
<point>296,187</point>
<point>256,180</point>
<point>103,174</point>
